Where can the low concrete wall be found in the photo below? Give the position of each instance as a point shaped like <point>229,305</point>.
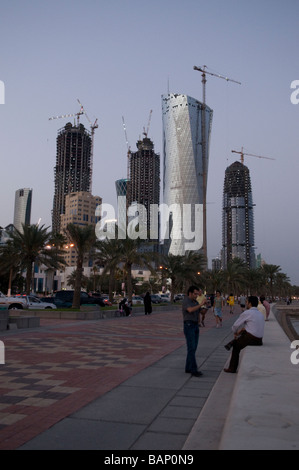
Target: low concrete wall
<point>3,319</point>
<point>263,411</point>
<point>24,321</point>
<point>93,312</point>
<point>284,315</point>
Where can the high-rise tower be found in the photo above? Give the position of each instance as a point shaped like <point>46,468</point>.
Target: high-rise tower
<point>22,213</point>
<point>73,167</point>
<point>183,166</point>
<point>144,185</point>
<point>237,216</point>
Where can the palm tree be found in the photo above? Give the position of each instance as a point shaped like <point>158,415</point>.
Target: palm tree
<point>270,271</point>
<point>84,239</point>
<point>30,246</point>
<point>56,244</point>
<point>9,263</point>
<point>212,280</point>
<point>234,276</point>
<point>108,256</point>
<point>131,254</point>
<point>181,269</point>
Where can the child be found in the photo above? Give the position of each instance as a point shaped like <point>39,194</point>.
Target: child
<point>231,302</point>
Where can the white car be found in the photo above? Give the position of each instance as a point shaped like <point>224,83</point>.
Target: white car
<point>137,300</point>
<point>36,304</point>
<point>165,297</point>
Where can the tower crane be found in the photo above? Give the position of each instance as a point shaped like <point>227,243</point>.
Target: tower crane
<point>128,150</point>
<point>69,115</point>
<point>92,127</point>
<point>148,124</point>
<point>249,155</point>
<point>203,70</point>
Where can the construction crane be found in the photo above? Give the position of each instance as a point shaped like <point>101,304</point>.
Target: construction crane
<point>69,115</point>
<point>249,155</point>
<point>128,150</point>
<point>203,70</point>
<point>148,124</point>
<point>92,127</point>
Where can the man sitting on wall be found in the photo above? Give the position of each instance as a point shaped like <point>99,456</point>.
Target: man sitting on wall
<point>248,330</point>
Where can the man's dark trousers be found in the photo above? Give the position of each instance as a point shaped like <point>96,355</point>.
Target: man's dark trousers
<point>245,339</point>
<point>191,331</point>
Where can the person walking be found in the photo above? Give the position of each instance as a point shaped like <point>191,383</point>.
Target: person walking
<point>266,305</point>
<point>190,311</point>
<point>147,304</point>
<point>242,302</point>
<point>248,330</point>
<point>202,300</point>
<point>218,308</point>
<point>231,303</point>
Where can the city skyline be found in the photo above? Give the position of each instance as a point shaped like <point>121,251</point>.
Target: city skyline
<point>101,54</point>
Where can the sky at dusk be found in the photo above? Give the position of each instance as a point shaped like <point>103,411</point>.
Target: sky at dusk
<point>118,57</point>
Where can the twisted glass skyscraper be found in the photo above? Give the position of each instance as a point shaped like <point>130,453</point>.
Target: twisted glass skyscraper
<point>22,213</point>
<point>237,216</point>
<point>183,171</point>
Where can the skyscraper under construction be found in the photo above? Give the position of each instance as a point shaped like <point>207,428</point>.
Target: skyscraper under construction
<point>144,184</point>
<point>237,216</point>
<point>73,170</point>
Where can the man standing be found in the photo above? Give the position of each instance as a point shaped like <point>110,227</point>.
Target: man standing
<point>190,310</point>
<point>248,330</point>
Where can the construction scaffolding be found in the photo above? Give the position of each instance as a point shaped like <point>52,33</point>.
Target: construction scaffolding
<point>144,187</point>
<point>237,216</point>
<point>73,170</point>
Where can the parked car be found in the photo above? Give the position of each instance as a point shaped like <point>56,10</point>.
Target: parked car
<point>65,298</point>
<point>178,297</point>
<point>137,300</point>
<point>58,302</point>
<point>165,297</point>
<point>156,299</point>
<point>34,303</point>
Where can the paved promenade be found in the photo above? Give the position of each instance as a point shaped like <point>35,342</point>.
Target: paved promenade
<point>108,384</point>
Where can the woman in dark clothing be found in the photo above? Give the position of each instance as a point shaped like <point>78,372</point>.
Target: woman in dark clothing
<point>147,304</point>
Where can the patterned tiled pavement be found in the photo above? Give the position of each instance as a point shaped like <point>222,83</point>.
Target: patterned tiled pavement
<point>56,369</point>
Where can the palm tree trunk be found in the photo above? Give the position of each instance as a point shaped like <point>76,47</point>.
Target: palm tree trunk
<point>29,278</point>
<point>9,282</point>
<point>78,280</point>
<point>111,283</point>
<point>129,281</point>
